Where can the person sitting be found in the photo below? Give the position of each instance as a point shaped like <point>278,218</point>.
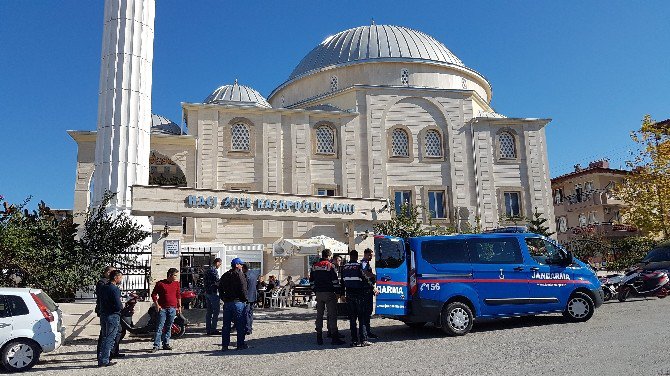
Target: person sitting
<point>261,285</point>
<point>290,283</point>
<point>272,283</point>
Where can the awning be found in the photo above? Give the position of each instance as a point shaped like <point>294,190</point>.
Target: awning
<point>306,247</point>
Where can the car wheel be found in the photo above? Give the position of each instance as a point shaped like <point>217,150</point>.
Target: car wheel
<point>580,307</point>
<point>20,355</point>
<point>415,325</point>
<point>456,319</point>
<point>624,293</point>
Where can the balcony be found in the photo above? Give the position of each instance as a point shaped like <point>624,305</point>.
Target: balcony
<point>587,199</point>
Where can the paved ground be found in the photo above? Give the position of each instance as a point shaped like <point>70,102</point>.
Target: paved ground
<point>621,339</point>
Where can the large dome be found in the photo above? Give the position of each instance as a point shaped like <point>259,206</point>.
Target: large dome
<point>236,94</point>
<point>375,42</point>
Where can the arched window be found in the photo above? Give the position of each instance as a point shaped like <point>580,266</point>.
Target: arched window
<point>433,144</point>
<point>325,140</point>
<point>507,146</point>
<point>240,139</point>
<point>399,143</point>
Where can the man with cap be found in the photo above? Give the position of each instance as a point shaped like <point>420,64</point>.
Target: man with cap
<point>233,292</point>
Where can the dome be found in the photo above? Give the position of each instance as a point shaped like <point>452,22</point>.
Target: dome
<point>163,125</point>
<point>236,94</point>
<point>365,43</point>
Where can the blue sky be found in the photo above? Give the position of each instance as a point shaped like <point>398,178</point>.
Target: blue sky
<point>594,67</point>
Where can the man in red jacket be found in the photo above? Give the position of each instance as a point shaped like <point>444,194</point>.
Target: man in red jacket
<point>167,298</point>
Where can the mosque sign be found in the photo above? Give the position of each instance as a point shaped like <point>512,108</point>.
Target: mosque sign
<point>269,204</point>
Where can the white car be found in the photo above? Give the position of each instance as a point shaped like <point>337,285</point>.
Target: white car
<point>30,324</point>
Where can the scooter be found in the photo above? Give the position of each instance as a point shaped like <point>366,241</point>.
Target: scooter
<point>127,325</point>
<point>610,285</point>
<point>644,283</point>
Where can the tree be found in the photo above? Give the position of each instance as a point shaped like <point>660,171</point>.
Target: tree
<point>404,224</point>
<point>536,224</point>
<point>40,250</point>
<point>628,251</point>
<point>646,190</point>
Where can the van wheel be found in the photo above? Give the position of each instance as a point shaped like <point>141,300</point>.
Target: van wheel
<point>20,355</point>
<point>415,325</point>
<point>580,307</point>
<point>456,319</point>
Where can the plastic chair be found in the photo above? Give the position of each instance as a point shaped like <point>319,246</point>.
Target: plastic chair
<point>275,298</point>
<point>285,296</point>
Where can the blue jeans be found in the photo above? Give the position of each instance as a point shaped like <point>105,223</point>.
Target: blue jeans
<point>249,317</point>
<point>109,328</point>
<point>212,315</point>
<point>233,311</point>
<point>165,319</point>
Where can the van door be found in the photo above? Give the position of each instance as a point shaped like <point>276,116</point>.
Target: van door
<point>392,276</point>
<point>5,320</point>
<point>550,279</point>
<point>500,274</point>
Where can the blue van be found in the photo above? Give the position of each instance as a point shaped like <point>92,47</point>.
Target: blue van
<point>453,280</point>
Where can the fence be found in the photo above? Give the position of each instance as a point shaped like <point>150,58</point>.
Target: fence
<point>136,274</point>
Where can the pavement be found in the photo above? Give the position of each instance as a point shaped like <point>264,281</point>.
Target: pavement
<point>620,339</point>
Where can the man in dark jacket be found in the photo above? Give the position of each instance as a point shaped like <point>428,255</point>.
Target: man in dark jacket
<point>233,292</point>
<point>355,283</point>
<point>110,316</point>
<point>370,290</point>
<point>104,280</point>
<point>212,297</point>
<point>325,283</point>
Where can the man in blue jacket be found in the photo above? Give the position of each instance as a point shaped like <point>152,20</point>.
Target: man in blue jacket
<point>355,284</point>
<point>110,316</point>
<point>211,282</point>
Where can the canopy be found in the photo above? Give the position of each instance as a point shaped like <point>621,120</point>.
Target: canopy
<point>307,247</point>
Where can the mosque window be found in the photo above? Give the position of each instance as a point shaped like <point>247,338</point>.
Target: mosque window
<point>507,146</point>
<point>433,144</point>
<point>333,83</point>
<point>404,77</point>
<point>399,143</point>
<point>325,140</point>
<point>240,137</point>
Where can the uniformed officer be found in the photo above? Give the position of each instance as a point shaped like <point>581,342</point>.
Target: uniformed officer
<point>355,283</point>
<point>369,291</point>
<point>325,283</point>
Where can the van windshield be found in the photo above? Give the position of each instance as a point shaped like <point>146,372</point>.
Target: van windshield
<point>389,253</point>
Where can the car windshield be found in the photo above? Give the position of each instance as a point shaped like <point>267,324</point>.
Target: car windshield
<point>658,254</point>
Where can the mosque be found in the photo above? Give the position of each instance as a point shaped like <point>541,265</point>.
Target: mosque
<point>378,111</point>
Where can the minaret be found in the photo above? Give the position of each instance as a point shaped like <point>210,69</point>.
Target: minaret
<point>124,102</point>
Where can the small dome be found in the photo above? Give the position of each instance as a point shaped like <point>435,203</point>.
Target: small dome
<point>163,125</point>
<point>375,42</point>
<point>236,94</point>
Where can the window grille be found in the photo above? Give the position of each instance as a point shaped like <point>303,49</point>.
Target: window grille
<point>433,144</point>
<point>333,83</point>
<point>507,146</point>
<point>404,77</point>
<point>240,137</point>
<point>399,143</point>
<point>325,140</point>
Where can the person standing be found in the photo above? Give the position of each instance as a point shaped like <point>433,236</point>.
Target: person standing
<point>211,282</point>
<point>370,290</point>
<point>233,292</point>
<point>324,284</point>
<point>110,316</point>
<point>104,280</point>
<point>167,298</point>
<point>355,283</point>
<point>252,297</point>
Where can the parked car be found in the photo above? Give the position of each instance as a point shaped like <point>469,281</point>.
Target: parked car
<point>30,324</point>
<point>657,259</point>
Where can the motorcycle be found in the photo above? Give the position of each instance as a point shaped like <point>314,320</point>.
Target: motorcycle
<point>644,283</point>
<point>127,325</point>
<point>610,285</point>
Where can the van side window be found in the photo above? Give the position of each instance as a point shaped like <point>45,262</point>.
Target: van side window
<point>542,250</point>
<point>4,309</point>
<point>16,305</point>
<point>495,251</point>
<point>445,252</point>
<point>389,253</point>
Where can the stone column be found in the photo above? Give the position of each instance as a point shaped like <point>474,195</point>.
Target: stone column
<point>124,104</point>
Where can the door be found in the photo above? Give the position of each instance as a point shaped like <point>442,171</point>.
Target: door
<point>500,274</point>
<point>392,276</point>
<point>551,279</point>
<point>5,319</point>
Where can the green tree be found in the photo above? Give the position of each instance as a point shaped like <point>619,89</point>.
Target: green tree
<point>628,251</point>
<point>646,189</point>
<point>536,224</point>
<point>38,249</point>
<point>404,224</point>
